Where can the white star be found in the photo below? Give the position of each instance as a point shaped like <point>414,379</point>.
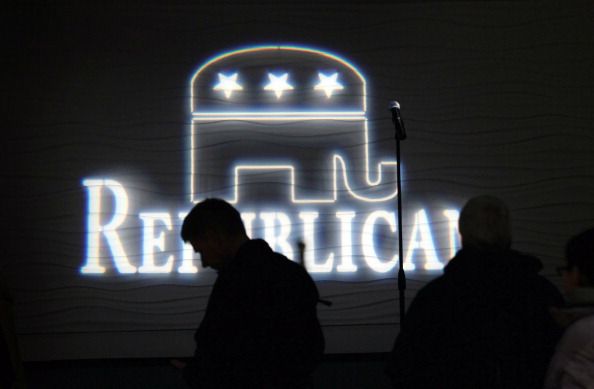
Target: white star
<point>328,84</point>
<point>228,84</point>
<point>278,84</point>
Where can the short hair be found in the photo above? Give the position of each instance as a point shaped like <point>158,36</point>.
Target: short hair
<point>579,253</point>
<point>485,224</point>
<point>212,215</point>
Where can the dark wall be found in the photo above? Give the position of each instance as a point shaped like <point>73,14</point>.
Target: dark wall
<point>497,98</point>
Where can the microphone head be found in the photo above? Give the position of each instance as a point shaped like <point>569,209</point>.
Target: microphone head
<point>394,104</point>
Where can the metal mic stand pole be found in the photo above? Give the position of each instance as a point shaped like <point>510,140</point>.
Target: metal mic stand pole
<point>399,134</point>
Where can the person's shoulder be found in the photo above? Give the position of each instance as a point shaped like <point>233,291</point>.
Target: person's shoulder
<point>582,329</point>
<point>520,262</point>
<point>528,269</point>
<point>578,331</point>
<point>428,307</point>
<point>437,287</point>
<point>575,352</point>
<point>286,268</point>
<point>275,264</point>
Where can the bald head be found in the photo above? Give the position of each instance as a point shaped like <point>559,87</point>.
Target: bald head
<point>485,224</point>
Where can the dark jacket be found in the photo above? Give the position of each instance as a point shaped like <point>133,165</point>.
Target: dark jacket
<point>260,329</point>
<point>483,324</point>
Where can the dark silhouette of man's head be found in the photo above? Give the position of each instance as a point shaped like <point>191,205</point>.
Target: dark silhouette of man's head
<point>484,224</point>
<point>215,230</point>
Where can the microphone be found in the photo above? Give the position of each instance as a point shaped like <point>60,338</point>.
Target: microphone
<point>397,120</point>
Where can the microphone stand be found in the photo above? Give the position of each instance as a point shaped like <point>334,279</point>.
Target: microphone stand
<point>399,135</point>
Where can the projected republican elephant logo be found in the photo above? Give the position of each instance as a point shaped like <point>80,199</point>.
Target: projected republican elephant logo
<point>283,133</point>
<point>280,123</point>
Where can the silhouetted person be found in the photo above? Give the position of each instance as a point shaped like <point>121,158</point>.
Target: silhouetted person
<point>485,322</point>
<point>260,329</point>
<point>572,365</point>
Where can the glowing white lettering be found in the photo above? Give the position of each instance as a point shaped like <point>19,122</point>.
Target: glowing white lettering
<point>310,245</point>
<point>346,242</point>
<point>109,230</point>
<point>421,238</point>
<point>150,242</point>
<point>367,242</point>
<point>376,254</point>
<point>187,266</point>
<point>248,220</point>
<point>453,215</point>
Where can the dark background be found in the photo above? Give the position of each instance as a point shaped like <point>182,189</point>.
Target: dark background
<point>497,98</point>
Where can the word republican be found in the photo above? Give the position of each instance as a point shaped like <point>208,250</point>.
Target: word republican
<point>275,227</point>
